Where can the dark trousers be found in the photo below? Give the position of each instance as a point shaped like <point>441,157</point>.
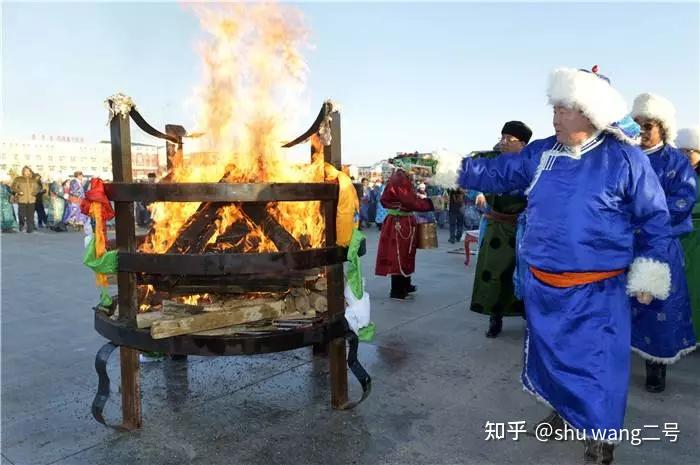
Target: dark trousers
<point>42,217</point>
<point>400,285</point>
<point>456,225</point>
<point>26,216</point>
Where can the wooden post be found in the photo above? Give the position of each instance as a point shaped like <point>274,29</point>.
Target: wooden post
<point>126,282</point>
<point>172,151</point>
<point>334,274</point>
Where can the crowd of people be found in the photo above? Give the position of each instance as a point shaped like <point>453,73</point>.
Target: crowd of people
<point>453,208</point>
<point>592,235</point>
<point>29,203</point>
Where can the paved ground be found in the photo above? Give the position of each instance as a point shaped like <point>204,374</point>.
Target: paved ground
<point>437,381</point>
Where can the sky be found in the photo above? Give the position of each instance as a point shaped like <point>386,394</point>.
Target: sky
<point>408,76</point>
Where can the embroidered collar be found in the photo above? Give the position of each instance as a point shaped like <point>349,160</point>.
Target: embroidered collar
<point>654,149</point>
<point>575,152</point>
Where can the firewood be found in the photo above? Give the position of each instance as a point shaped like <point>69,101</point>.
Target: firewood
<point>231,303</point>
<point>290,304</point>
<point>321,284</point>
<point>215,319</point>
<point>299,291</point>
<point>145,320</point>
<point>257,213</point>
<point>318,301</point>
<point>201,226</point>
<point>301,303</point>
<point>234,236</point>
<point>198,229</point>
<point>237,329</point>
<point>172,308</point>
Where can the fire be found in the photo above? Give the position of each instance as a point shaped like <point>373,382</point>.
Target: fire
<point>252,92</point>
<point>193,299</point>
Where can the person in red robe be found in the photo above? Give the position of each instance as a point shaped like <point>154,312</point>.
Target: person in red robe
<point>396,254</point>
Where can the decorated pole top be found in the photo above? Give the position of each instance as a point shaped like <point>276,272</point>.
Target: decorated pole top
<point>119,104</point>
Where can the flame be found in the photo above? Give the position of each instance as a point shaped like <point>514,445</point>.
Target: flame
<point>193,299</point>
<point>254,78</point>
<point>148,292</point>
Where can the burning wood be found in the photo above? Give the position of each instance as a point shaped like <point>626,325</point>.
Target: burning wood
<point>201,227</point>
<point>198,229</point>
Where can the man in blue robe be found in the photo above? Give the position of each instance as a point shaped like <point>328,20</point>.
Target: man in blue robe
<point>589,189</point>
<point>662,331</point>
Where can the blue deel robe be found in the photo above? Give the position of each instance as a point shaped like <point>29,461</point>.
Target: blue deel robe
<point>581,217</point>
<point>663,330</point>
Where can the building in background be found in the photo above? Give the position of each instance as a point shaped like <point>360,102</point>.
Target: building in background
<point>60,157</point>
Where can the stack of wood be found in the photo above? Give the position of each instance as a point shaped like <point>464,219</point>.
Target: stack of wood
<point>228,314</point>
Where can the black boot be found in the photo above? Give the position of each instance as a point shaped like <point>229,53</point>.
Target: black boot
<point>495,326</point>
<point>656,377</point>
<point>555,421</point>
<point>597,453</point>
<point>410,287</point>
<point>399,288</point>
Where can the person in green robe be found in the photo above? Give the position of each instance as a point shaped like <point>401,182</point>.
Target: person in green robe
<point>688,140</point>
<point>57,203</point>
<point>8,221</point>
<point>493,292</point>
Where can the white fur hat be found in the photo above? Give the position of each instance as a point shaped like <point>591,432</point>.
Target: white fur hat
<point>588,92</point>
<point>656,107</point>
<point>688,138</point>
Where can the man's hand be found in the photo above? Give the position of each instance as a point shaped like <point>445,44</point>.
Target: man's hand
<point>644,298</point>
<point>480,201</point>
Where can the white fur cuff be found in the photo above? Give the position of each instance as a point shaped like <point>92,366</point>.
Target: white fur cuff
<point>649,275</point>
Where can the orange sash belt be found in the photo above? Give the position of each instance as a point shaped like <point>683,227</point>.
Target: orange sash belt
<point>569,279</point>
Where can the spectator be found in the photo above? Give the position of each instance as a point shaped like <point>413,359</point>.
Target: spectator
<point>76,193</point>
<point>381,212</point>
<point>26,189</point>
<point>42,218</point>
<point>57,204</point>
<point>456,214</point>
<point>8,220</point>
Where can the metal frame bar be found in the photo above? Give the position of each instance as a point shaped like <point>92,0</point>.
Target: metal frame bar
<point>212,264</point>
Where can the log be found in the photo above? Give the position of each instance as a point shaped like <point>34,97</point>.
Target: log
<point>198,229</point>
<point>194,236</point>
<point>212,320</point>
<point>318,301</point>
<point>234,236</point>
<point>176,309</point>
<point>234,303</point>
<point>301,303</point>
<point>263,326</point>
<point>321,284</point>
<point>257,213</point>
<point>145,320</point>
<point>290,304</point>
